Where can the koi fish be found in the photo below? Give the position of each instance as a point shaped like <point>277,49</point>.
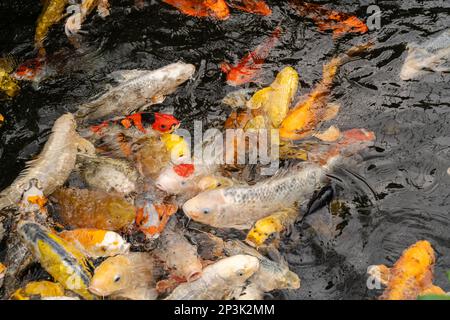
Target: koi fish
<point>142,121</point>
<point>251,6</point>
<point>221,280</point>
<point>151,218</point>
<point>339,22</point>
<point>51,14</point>
<point>40,289</point>
<point>53,165</point>
<point>82,11</point>
<point>61,260</point>
<point>250,66</point>
<point>8,84</point>
<point>96,243</point>
<point>411,275</point>
<point>302,120</point>
<point>129,276</point>
<point>431,55</point>
<point>202,8</point>
<point>136,91</point>
<point>2,120</point>
<point>84,208</point>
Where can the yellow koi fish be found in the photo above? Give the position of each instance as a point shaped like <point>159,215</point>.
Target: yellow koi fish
<point>66,264</point>
<point>52,13</point>
<point>266,227</point>
<point>277,98</point>
<point>411,275</point>
<point>311,110</point>
<point>8,85</point>
<point>38,288</point>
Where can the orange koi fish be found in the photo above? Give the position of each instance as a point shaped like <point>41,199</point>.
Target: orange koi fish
<point>311,110</point>
<point>411,275</point>
<point>96,243</point>
<point>251,6</point>
<point>325,19</point>
<point>250,66</point>
<point>202,8</point>
<point>161,122</point>
<point>152,218</point>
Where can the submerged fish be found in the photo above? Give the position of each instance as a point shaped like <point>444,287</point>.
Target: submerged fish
<point>276,99</point>
<point>8,84</point>
<point>108,174</point>
<point>249,67</point>
<point>34,70</point>
<point>238,99</point>
<point>241,206</point>
<point>62,261</point>
<point>51,14</point>
<point>96,243</point>
<point>137,89</point>
<point>325,19</point>
<point>82,208</point>
<point>178,254</point>
<point>431,55</point>
<point>221,280</point>
<point>305,116</point>
<point>251,6</point>
<point>130,276</point>
<point>202,8</point>
<point>40,289</point>
<point>81,12</point>
<point>177,146</point>
<point>151,156</point>
<point>53,165</point>
<point>411,275</point>
<point>2,120</point>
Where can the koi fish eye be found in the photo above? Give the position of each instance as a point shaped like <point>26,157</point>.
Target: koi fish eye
<point>240,273</point>
<point>116,278</point>
<point>206,211</point>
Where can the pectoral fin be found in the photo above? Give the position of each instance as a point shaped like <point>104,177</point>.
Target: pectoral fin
<point>332,109</point>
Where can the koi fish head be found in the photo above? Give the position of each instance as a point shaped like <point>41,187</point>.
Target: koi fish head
<point>29,70</point>
<point>111,276</point>
<point>176,179</point>
<point>206,207</point>
<point>165,123</point>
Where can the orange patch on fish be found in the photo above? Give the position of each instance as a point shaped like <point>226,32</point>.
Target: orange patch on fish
<point>250,66</point>
<point>252,6</point>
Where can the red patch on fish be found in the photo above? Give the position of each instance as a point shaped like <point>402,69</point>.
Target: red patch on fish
<point>30,69</point>
<point>159,122</point>
<point>250,66</point>
<point>184,170</point>
<point>165,122</point>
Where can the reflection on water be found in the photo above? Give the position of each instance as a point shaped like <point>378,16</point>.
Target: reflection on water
<point>398,192</point>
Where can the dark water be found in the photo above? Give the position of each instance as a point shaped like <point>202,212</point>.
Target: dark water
<point>402,195</point>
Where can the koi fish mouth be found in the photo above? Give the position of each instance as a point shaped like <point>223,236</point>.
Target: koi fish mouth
<point>97,292</point>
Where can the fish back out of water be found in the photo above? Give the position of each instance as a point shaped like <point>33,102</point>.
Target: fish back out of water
<point>240,206</point>
<point>53,165</point>
<point>137,89</point>
<point>220,280</point>
<point>61,260</point>
<point>432,55</point>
